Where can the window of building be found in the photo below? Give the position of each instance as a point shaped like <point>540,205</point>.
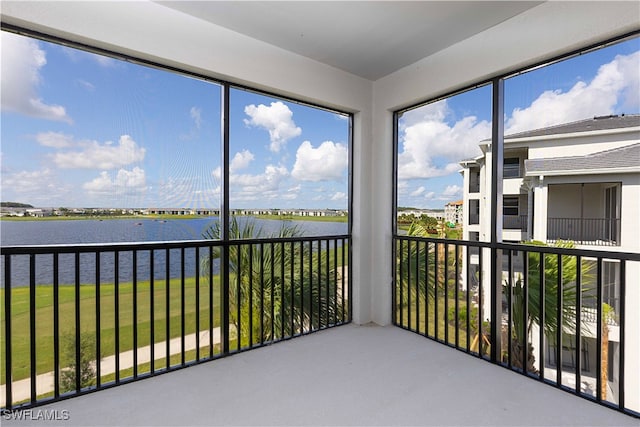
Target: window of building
<point>510,206</point>
<point>511,168</point>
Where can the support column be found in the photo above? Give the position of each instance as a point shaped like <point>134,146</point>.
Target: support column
<point>540,201</point>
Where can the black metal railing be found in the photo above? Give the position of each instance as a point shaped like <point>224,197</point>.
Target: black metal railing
<point>443,290</point>
<point>515,222</point>
<point>77,318</point>
<point>588,231</point>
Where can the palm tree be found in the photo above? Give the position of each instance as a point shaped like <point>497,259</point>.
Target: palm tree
<point>554,318</point>
<point>276,289</point>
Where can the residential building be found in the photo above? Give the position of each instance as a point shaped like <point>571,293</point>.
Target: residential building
<point>454,212</point>
<point>577,182</point>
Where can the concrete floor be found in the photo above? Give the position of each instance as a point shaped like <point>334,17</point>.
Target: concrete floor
<point>346,376</point>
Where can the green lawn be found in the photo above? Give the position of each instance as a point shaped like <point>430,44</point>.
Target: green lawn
<point>44,321</point>
<point>20,322</point>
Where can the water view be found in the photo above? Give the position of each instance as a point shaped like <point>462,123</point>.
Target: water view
<point>73,232</point>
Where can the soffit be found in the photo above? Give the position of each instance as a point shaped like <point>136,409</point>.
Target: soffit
<point>370,39</point>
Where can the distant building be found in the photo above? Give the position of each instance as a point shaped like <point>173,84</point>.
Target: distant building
<point>453,212</point>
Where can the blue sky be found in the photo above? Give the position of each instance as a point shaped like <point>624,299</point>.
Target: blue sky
<point>434,138</point>
<point>82,130</point>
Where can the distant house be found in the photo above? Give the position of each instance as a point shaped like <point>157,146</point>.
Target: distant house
<point>453,212</point>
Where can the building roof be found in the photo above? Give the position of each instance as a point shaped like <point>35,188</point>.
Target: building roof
<point>621,159</point>
<point>588,125</point>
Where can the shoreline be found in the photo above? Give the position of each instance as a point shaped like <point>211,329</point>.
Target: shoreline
<point>171,217</point>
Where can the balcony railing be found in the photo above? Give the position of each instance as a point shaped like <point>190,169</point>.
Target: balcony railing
<point>515,222</point>
<point>587,231</point>
<point>543,295</point>
<point>86,317</point>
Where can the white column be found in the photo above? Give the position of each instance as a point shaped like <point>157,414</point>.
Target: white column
<point>540,210</point>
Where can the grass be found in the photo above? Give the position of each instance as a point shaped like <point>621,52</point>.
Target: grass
<point>20,320</point>
<point>125,295</point>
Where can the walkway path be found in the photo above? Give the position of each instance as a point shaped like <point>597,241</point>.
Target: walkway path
<point>21,390</point>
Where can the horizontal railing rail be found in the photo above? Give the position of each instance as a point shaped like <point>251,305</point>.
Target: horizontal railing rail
<point>589,231</point>
<point>541,295</point>
<point>79,318</point>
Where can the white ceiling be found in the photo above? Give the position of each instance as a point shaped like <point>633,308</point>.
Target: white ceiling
<point>367,38</point>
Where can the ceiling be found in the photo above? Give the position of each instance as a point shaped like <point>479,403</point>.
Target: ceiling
<point>367,38</point>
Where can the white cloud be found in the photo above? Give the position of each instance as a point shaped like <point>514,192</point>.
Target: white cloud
<point>87,85</point>
<point>339,196</point>
<point>54,139</point>
<point>124,181</point>
<point>452,190</point>
<point>22,61</point>
<point>418,191</point>
<point>241,160</point>
<point>327,162</point>
<point>276,119</point>
<point>27,183</point>
<point>617,82</point>
<point>267,181</point>
<point>431,147</point>
<point>101,156</point>
<point>196,115</point>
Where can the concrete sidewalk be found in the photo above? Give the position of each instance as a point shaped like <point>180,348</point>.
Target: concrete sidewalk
<point>21,390</point>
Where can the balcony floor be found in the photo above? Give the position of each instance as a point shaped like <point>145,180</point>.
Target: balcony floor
<point>351,375</point>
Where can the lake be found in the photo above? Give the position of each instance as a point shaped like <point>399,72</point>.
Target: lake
<point>64,232</point>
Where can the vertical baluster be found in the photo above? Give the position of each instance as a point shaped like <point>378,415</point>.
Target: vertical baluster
<point>32,324</point>
<point>480,294</point>
<point>116,305</point>
<point>621,327</point>
<point>599,330</point>
<point>302,288</point>
<point>541,309</point>
<point>167,308</point>
<point>282,290</point>
<point>197,311</point>
<point>435,292</point>
<point>446,292</point>
<point>272,289</point>
<point>468,297</point>
<point>152,316</point>
<point>427,317</point>
<point>409,251</point>
<point>56,328</point>
<point>7,333</point>
<point>98,323</point>
<point>525,313</point>
<point>510,309</point>
<point>457,294</point>
<point>182,307</point>
<point>77,322</point>
<point>559,322</point>
<point>135,312</point>
<point>578,349</point>
<point>238,297</point>
<point>292,302</point>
